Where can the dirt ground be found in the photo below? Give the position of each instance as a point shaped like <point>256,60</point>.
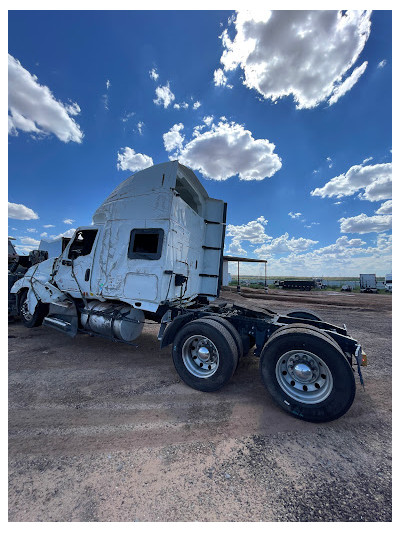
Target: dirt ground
<point>100,431</point>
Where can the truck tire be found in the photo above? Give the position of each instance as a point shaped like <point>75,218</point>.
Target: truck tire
<point>307,374</point>
<point>31,320</point>
<point>298,326</point>
<point>205,355</point>
<point>232,330</point>
<point>303,313</point>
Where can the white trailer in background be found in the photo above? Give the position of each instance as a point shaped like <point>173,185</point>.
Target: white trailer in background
<point>368,283</point>
<point>154,252</point>
<point>388,282</point>
<point>55,247</point>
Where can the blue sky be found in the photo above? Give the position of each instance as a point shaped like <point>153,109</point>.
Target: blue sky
<point>284,115</point>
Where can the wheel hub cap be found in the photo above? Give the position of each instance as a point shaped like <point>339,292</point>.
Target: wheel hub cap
<point>203,353</point>
<point>200,356</point>
<point>304,376</point>
<point>303,372</point>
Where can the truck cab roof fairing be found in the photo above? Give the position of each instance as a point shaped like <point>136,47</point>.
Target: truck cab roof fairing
<point>155,180</point>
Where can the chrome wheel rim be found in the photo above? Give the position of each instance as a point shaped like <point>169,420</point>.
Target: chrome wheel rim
<point>25,313</point>
<point>200,356</point>
<point>304,376</point>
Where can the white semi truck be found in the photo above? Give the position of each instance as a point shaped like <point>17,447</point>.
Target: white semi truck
<point>154,252</point>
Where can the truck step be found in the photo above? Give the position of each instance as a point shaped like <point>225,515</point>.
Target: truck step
<point>64,305</point>
<point>70,328</point>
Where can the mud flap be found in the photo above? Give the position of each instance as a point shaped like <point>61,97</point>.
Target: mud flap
<point>358,358</point>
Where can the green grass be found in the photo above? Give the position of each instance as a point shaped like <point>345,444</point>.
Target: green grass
<point>327,278</point>
<point>333,288</point>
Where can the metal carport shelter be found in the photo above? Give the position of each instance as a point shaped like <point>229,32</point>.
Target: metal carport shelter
<point>246,260</point>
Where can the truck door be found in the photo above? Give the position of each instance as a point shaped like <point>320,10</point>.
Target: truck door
<point>75,264</point>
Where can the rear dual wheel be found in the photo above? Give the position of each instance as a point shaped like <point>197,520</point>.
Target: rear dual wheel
<point>303,313</point>
<point>205,354</point>
<point>307,374</point>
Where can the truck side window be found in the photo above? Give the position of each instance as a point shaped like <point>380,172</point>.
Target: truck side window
<point>146,243</point>
<point>82,243</point>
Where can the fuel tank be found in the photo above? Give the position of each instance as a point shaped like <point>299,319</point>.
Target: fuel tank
<point>119,321</point>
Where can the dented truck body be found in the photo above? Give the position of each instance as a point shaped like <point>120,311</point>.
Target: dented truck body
<point>154,252</point>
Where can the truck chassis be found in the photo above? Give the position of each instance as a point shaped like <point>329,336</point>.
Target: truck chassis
<point>305,363</point>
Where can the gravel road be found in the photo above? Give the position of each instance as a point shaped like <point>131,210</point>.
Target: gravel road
<point>107,432</point>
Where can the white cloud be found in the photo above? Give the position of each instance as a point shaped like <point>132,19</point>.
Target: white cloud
<point>382,63</point>
<point>235,249</point>
<point>44,234</point>
<point>31,230</point>
<point>24,250</point>
<point>140,126</point>
<point>48,226</point>
<point>384,242</point>
<point>105,102</point>
<point>308,226</point>
<point>29,241</point>
<point>173,140</point>
<point>127,116</point>
<point>164,95</point>
<point>365,224</point>
<point>34,109</point>
<point>182,105</point>
<point>73,109</point>
<point>385,208</point>
<point>283,244</point>
<point>367,160</point>
<point>380,189</point>
<point>18,122</point>
<point>198,129</point>
<point>376,180</point>
<point>301,53</point>
<point>348,83</point>
<point>292,256</point>
<point>345,257</point>
<point>294,215</point>
<point>105,97</point>
<point>226,150</point>
<point>128,159</point>
<point>208,120</point>
<point>153,74</point>
<point>219,78</point>
<point>68,233</point>
<point>253,231</point>
<point>68,221</point>
<point>341,246</point>
<point>21,212</point>
<point>196,105</point>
